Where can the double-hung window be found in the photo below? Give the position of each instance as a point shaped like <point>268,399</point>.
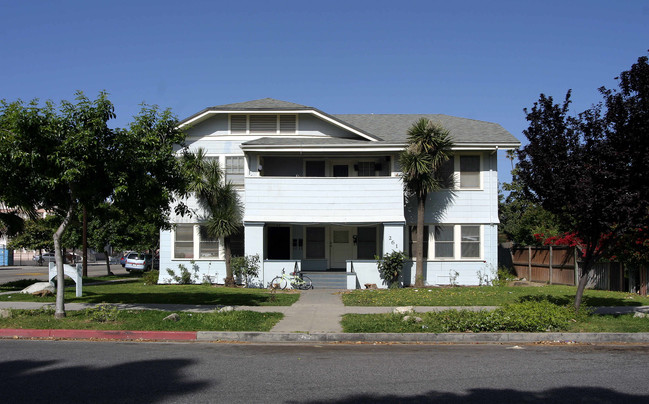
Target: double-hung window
<point>444,242</point>
<point>184,241</point>
<point>470,244</point>
<point>234,170</point>
<point>208,246</point>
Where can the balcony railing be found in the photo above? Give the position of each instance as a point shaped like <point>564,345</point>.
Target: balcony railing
<point>323,199</point>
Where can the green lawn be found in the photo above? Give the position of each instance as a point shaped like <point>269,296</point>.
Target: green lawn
<point>135,291</point>
<point>487,296</point>
<point>143,320</point>
<point>374,323</point>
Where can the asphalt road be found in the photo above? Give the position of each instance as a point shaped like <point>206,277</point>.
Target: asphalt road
<point>13,273</point>
<point>103,372</point>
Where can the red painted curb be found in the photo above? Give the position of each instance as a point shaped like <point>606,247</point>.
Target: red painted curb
<point>100,334</point>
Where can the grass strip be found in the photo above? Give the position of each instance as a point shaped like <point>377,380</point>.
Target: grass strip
<point>488,296</point>
<point>142,320</point>
<point>431,323</point>
<point>136,291</point>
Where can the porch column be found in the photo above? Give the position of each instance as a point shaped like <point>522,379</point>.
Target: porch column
<point>254,243</point>
<point>393,237</point>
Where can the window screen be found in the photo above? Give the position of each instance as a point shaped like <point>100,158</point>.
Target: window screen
<point>469,171</point>
<point>208,246</point>
<point>366,243</point>
<point>315,242</point>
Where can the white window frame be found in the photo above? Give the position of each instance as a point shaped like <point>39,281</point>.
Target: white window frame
<point>196,240</point>
<point>225,169</point>
<point>457,242</point>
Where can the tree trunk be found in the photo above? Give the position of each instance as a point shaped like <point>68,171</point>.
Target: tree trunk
<point>108,271</point>
<point>85,242</point>
<point>419,256</point>
<point>60,277</point>
<point>229,277</point>
<point>583,280</point>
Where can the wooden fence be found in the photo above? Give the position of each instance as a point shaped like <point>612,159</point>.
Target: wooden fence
<point>553,265</point>
<point>561,265</point>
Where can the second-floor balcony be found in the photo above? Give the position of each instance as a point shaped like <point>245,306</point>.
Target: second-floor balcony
<point>323,199</point>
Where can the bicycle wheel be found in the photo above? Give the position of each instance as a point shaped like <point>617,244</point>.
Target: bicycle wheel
<point>278,283</point>
<point>307,284</point>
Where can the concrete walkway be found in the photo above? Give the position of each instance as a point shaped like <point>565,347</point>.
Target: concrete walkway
<point>317,310</point>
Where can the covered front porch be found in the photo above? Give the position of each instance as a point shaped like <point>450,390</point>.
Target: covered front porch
<point>332,254</point>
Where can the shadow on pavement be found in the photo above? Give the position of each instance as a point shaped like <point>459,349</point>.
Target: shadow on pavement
<point>492,396</point>
<point>135,382</point>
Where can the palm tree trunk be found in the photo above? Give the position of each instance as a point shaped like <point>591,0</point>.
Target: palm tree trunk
<point>229,276</point>
<point>419,272</point>
<point>60,277</point>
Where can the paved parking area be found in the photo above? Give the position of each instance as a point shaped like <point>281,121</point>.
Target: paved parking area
<point>17,272</point>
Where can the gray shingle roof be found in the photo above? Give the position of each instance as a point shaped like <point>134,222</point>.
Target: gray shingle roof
<point>387,128</point>
<point>261,104</point>
<point>394,127</point>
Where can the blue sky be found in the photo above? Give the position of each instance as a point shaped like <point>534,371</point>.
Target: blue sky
<point>473,59</point>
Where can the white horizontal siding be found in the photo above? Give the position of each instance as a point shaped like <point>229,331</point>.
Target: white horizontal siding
<point>335,200</point>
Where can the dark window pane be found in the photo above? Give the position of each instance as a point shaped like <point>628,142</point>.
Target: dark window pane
<point>315,242</point>
<point>366,240</point>
<point>315,168</point>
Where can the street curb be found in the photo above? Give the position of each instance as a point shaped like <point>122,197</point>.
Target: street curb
<point>274,337</point>
<point>459,338</point>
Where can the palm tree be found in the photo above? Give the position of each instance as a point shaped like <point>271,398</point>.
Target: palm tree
<point>429,147</point>
<point>219,200</point>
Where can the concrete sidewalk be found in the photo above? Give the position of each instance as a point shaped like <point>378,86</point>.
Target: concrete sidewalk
<point>315,317</point>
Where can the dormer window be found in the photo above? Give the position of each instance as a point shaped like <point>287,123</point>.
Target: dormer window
<point>262,124</point>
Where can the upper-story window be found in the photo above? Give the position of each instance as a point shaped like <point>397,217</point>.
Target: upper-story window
<point>366,169</point>
<point>241,124</point>
<point>469,171</point>
<point>234,170</point>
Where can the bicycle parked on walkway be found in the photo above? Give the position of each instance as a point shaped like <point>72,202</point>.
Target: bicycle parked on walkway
<point>296,279</point>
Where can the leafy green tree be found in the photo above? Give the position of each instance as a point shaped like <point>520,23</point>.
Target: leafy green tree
<point>591,170</point>
<point>58,158</point>
<point>36,235</point>
<point>429,147</point>
<point>521,218</point>
<point>221,204</point>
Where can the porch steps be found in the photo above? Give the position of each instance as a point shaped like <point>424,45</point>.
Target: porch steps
<point>327,280</point>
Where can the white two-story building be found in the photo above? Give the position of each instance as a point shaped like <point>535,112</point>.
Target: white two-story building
<point>322,194</point>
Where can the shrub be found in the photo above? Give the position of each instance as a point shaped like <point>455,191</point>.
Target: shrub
<point>503,276</point>
<point>390,268</point>
<point>185,277</point>
<point>151,277</point>
<point>517,317</point>
<point>246,267</point>
<point>102,313</point>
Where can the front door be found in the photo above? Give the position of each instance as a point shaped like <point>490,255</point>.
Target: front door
<point>341,247</point>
